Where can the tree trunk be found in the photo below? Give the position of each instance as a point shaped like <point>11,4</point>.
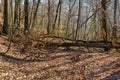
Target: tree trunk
<point>59,18</point>
<point>115,21</point>
<point>69,16</point>
<point>78,20</point>
<point>5,15</point>
<point>26,12</point>
<point>56,15</point>
<point>34,14</point>
<point>48,25</point>
<point>104,21</point>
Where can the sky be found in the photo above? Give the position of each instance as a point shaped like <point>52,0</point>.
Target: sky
<point>42,0</point>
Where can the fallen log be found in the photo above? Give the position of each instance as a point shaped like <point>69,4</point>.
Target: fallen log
<point>76,43</point>
<point>99,44</point>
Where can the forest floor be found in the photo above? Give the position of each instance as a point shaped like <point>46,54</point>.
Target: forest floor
<point>59,64</point>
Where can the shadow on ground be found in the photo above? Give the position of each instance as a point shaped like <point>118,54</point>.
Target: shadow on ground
<point>66,65</point>
<point>114,76</point>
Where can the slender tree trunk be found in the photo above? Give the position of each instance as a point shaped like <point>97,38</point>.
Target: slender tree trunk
<point>5,15</point>
<point>10,17</point>
<point>15,12</point>
<point>78,20</point>
<point>56,15</point>
<point>115,21</point>
<point>48,25</point>
<point>69,17</point>
<point>26,12</point>
<point>59,18</point>
<point>31,12</point>
<point>104,21</point>
<point>19,14</point>
<point>35,13</point>
<point>68,20</point>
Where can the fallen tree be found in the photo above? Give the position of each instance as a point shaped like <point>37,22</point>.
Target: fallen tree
<point>66,42</point>
<point>80,43</point>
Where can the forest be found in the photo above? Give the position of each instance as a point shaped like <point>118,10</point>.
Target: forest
<point>59,39</point>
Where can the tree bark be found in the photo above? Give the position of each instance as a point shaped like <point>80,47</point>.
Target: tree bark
<point>26,12</point>
<point>78,20</point>
<point>5,15</point>
<point>49,20</point>
<point>104,21</point>
<point>115,21</point>
<point>59,18</point>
